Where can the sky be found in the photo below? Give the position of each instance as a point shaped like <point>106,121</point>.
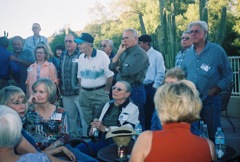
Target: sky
<point>17,16</point>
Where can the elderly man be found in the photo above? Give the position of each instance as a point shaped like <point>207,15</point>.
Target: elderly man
<point>24,58</point>
<point>94,77</point>
<point>208,67</point>
<point>32,41</point>
<point>69,87</point>
<point>154,76</point>
<point>107,47</point>
<point>185,43</point>
<point>131,62</point>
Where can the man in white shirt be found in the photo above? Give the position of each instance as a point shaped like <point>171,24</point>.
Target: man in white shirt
<point>94,77</point>
<point>154,76</point>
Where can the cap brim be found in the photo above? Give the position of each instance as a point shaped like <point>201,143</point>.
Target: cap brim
<point>79,40</point>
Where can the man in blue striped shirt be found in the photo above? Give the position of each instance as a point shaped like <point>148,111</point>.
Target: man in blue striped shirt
<point>208,67</point>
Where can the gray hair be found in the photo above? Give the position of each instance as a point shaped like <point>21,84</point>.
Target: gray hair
<point>133,31</point>
<point>10,127</point>
<point>186,32</point>
<point>17,38</point>
<point>109,41</point>
<point>127,85</point>
<point>202,24</point>
<point>49,86</point>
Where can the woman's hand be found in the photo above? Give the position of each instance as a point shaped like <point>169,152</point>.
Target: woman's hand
<point>32,99</point>
<point>97,124</point>
<point>60,149</point>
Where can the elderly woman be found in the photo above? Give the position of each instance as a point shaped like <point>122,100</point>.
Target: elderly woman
<point>41,68</point>
<point>178,105</point>
<point>117,112</point>
<point>10,135</point>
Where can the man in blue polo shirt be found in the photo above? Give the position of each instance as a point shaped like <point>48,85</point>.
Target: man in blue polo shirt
<point>94,77</point>
<point>208,67</point>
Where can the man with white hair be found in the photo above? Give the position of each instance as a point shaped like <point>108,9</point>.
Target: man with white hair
<point>208,67</point>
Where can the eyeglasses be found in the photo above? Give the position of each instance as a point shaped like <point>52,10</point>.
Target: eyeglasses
<point>69,41</point>
<point>185,38</point>
<point>40,53</point>
<point>118,89</point>
<point>126,38</point>
<point>17,103</point>
<point>103,45</point>
<point>195,31</point>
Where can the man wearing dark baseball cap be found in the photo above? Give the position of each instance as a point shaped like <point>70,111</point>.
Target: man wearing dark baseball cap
<point>94,77</point>
<point>84,37</point>
<point>154,77</point>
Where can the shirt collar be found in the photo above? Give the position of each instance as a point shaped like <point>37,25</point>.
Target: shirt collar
<point>94,53</point>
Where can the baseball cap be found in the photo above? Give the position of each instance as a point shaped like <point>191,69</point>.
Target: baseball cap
<point>84,37</point>
<point>145,38</point>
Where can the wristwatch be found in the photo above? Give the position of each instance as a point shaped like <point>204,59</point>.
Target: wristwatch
<point>106,129</point>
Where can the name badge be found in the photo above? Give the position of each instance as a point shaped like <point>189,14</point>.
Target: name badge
<point>205,67</point>
<point>123,116</point>
<point>56,116</point>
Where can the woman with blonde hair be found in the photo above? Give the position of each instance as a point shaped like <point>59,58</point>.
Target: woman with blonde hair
<point>178,105</point>
<point>41,68</point>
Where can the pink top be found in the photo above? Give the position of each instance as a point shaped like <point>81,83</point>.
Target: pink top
<point>48,70</point>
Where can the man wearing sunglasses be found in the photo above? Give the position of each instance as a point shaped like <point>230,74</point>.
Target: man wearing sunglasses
<point>107,46</point>
<point>131,62</point>
<point>185,43</point>
<point>208,67</point>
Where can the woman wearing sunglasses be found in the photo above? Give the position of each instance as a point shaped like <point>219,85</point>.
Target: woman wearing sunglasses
<point>117,112</point>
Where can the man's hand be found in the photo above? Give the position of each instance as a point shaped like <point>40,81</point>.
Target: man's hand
<point>214,91</point>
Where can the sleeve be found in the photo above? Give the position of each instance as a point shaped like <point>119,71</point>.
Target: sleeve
<point>107,71</point>
<point>160,71</point>
<point>226,72</point>
<point>53,73</point>
<point>135,64</point>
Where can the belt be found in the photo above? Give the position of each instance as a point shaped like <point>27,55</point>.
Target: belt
<point>92,89</point>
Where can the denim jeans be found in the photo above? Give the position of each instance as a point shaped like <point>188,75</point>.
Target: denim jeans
<point>138,97</point>
<point>149,105</point>
<point>211,114</point>
<point>95,146</point>
<point>155,123</point>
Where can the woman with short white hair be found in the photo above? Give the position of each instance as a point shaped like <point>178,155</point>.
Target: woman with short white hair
<point>10,135</point>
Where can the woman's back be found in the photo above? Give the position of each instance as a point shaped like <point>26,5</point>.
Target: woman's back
<point>176,143</point>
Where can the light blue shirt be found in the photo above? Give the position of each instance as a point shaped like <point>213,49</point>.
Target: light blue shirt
<point>208,69</point>
<point>31,42</point>
<point>156,69</point>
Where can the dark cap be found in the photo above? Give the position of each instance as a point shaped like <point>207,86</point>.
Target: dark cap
<point>145,38</point>
<point>84,37</point>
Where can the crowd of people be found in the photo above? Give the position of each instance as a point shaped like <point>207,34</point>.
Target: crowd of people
<point>101,90</point>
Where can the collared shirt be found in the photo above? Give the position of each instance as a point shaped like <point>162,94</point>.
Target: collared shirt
<point>6,65</point>
<point>28,56</point>
<point>68,73</point>
<point>133,65</point>
<point>47,70</point>
<point>31,42</point>
<point>156,69</point>
<point>94,71</point>
<point>208,69</point>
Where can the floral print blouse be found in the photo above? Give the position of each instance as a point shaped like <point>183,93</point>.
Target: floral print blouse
<point>45,132</point>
